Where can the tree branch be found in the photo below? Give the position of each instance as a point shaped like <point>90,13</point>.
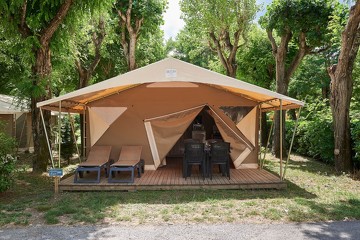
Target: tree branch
<point>303,50</point>
<point>47,33</point>
<point>23,27</point>
<point>97,40</point>
<point>218,48</point>
<point>272,41</point>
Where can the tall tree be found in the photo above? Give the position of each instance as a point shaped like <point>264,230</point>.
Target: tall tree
<point>303,23</point>
<point>341,89</point>
<point>37,23</point>
<point>224,22</point>
<point>134,16</point>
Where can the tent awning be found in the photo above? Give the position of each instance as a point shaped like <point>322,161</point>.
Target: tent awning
<point>164,71</point>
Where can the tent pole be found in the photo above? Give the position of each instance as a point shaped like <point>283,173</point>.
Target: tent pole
<point>292,141</point>
<point>281,140</point>
<point>84,132</point>
<point>260,133</point>
<point>59,137</point>
<point>267,143</point>
<point>74,136</point>
<point>47,138</point>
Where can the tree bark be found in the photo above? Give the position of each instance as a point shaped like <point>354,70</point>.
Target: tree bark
<point>41,71</point>
<point>341,90</point>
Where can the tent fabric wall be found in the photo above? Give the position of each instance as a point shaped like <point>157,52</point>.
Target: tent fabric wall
<point>100,120</point>
<point>145,103</point>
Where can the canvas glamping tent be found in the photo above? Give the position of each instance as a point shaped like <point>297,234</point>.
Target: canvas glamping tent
<point>154,106</point>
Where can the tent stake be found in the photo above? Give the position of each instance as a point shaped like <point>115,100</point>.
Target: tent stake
<point>74,136</point>
<point>281,139</point>
<point>267,143</point>
<point>47,138</point>
<point>292,141</point>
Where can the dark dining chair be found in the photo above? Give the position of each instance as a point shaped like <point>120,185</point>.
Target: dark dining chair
<point>194,155</point>
<point>220,155</point>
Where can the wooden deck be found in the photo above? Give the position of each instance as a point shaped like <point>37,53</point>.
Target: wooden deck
<point>169,177</point>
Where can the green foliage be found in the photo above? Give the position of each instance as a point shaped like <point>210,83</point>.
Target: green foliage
<point>67,139</point>
<point>311,79</point>
<point>7,160</point>
<point>255,61</point>
<point>192,48</point>
<point>310,17</point>
<point>314,136</point>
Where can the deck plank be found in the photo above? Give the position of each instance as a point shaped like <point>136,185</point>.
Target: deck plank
<point>170,177</point>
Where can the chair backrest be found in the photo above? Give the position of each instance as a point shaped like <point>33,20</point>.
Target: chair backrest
<point>194,152</point>
<point>220,152</point>
<point>99,154</point>
<point>130,153</point>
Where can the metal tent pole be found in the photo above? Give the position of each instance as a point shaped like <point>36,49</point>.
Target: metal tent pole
<point>292,141</point>
<point>74,136</point>
<point>47,138</point>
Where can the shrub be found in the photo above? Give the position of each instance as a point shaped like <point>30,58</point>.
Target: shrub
<point>7,160</point>
<point>313,138</point>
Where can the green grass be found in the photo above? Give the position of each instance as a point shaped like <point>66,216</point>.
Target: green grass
<point>314,193</point>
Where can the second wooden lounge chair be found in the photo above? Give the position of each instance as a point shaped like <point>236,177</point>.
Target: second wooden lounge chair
<point>97,159</point>
<point>129,160</point>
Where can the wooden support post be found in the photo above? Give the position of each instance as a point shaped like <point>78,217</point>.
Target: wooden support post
<point>281,140</point>
<point>56,180</point>
<point>260,133</point>
<point>59,137</point>
<point>84,132</point>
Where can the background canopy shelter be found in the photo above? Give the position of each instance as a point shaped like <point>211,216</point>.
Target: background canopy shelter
<point>154,106</point>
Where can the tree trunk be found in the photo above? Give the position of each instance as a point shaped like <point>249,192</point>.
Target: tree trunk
<point>341,89</point>
<point>131,53</point>
<point>282,83</point>
<point>41,71</point>
<point>340,104</point>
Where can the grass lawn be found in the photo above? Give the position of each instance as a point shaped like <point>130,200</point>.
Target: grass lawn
<point>314,193</point>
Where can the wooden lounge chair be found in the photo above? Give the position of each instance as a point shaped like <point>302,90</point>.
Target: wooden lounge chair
<point>98,158</point>
<point>129,160</point>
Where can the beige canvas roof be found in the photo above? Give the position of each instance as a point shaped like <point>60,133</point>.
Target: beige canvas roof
<point>163,72</point>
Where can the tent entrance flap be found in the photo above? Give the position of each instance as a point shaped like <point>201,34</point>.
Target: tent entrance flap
<point>167,129</point>
<point>241,146</point>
